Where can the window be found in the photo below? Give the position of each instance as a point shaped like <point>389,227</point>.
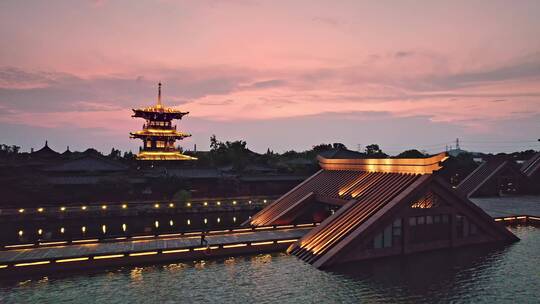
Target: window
<point>149,144</point>
<point>160,144</point>
<point>396,228</point>
<point>378,241</point>
<point>420,220</point>
<point>387,237</point>
<point>412,221</point>
<point>390,236</point>
<point>436,219</point>
<point>429,219</point>
<point>445,218</point>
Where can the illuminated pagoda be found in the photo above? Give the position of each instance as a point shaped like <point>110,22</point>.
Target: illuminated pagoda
<point>158,133</point>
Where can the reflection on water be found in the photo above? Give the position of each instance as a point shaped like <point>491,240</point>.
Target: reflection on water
<point>501,274</point>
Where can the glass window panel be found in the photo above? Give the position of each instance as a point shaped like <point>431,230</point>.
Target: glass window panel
<point>429,219</point>
<point>436,219</point>
<point>387,238</point>
<point>421,220</point>
<point>397,223</point>
<point>412,221</point>
<point>445,218</point>
<point>377,241</point>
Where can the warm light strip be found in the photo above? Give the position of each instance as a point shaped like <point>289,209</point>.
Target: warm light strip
<point>264,228</point>
<point>143,253</point>
<point>521,217</point>
<point>498,220</point>
<point>243,229</point>
<point>121,238</point>
<point>219,231</point>
<point>304,225</point>
<point>192,233</point>
<point>111,256</point>
<point>170,234</point>
<point>509,218</point>
<point>158,131</point>
<point>32,263</point>
<point>142,237</point>
<point>200,248</point>
<point>175,251</point>
<point>235,245</point>
<point>3,266</point>
<point>72,260</point>
<point>534,218</point>
<point>86,241</point>
<point>18,246</point>
<point>262,243</point>
<point>53,243</point>
<point>286,241</point>
<point>285,226</point>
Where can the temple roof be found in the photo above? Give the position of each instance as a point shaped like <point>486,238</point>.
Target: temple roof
<point>390,165</point>
<point>45,152</point>
<point>159,109</point>
<point>88,163</point>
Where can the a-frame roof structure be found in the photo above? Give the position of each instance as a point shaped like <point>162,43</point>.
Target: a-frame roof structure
<point>485,172</point>
<point>335,236</point>
<point>367,190</point>
<point>531,166</point>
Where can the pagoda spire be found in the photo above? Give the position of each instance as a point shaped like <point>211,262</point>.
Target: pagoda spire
<point>159,105</point>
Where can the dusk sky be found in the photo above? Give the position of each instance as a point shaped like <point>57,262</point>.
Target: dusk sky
<point>279,74</point>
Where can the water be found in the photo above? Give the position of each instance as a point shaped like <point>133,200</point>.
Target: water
<point>500,274</point>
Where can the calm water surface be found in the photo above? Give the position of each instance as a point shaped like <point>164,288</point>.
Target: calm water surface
<point>502,274</point>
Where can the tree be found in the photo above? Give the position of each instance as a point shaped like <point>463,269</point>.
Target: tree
<point>115,154</point>
<point>413,153</point>
<point>6,150</point>
<point>214,143</point>
<point>339,146</point>
<point>374,150</point>
<point>322,147</point>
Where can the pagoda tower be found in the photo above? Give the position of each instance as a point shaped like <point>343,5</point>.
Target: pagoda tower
<point>158,133</point>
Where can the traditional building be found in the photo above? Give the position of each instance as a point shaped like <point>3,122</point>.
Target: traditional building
<point>158,133</point>
<point>531,170</point>
<point>379,207</point>
<point>493,177</point>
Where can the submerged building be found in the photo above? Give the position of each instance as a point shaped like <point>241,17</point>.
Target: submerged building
<point>493,177</point>
<point>159,134</point>
<point>379,207</point>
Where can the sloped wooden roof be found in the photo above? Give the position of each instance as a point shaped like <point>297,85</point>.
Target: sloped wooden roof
<point>531,166</point>
<point>345,179</point>
<point>484,173</point>
<point>333,235</point>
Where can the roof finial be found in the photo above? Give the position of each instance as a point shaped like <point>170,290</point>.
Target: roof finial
<point>46,143</point>
<point>159,96</point>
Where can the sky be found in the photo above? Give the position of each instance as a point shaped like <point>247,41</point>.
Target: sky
<point>281,75</point>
